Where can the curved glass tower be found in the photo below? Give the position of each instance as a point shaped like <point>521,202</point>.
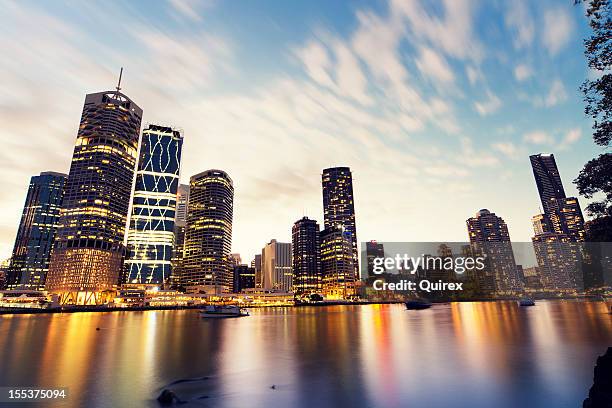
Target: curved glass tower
<point>88,253</point>
<point>39,220</point>
<point>151,232</point>
<point>208,237</point>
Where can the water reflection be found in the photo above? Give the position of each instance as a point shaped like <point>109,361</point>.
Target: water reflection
<point>459,354</point>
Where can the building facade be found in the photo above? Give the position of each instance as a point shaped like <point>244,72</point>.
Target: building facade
<point>489,237</point>
<point>562,215</point>
<point>244,278</point>
<point>276,266</point>
<point>337,268</point>
<point>306,247</point>
<point>208,237</point>
<point>373,250</point>
<point>150,237</point>
<point>339,205</point>
<point>36,234</point>
<point>87,258</point>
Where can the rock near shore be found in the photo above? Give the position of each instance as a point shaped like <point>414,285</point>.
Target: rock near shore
<point>600,394</point>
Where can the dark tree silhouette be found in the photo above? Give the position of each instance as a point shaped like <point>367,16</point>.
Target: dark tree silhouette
<point>595,179</point>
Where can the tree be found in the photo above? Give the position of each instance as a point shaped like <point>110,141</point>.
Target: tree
<point>595,179</point>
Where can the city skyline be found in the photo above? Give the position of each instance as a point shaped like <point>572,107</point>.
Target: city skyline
<point>395,156</point>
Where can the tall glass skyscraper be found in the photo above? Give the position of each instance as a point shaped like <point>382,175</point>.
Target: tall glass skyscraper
<point>87,258</point>
<point>339,207</point>
<point>306,248</point>
<point>150,237</point>
<point>337,269</point>
<point>562,215</point>
<point>39,220</point>
<point>208,237</point>
<point>489,237</point>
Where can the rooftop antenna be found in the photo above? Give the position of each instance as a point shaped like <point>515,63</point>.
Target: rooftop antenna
<point>118,88</point>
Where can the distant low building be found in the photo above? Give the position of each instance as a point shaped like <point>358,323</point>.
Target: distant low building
<point>244,278</point>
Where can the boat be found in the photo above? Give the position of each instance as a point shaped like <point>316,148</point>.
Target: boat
<point>418,304</point>
<point>220,312</point>
<point>526,302</point>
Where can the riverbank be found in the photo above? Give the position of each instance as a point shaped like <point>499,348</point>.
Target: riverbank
<point>80,309</point>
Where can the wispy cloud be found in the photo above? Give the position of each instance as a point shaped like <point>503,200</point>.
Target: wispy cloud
<point>488,106</point>
<point>557,30</point>
<point>538,137</point>
<point>522,72</point>
<point>520,22</point>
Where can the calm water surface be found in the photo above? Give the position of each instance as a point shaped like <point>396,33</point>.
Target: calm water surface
<point>456,355</point>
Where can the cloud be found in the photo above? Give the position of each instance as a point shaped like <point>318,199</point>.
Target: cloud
<point>555,96</point>
<point>474,74</point>
<point>190,8</point>
<point>433,65</point>
<point>522,72</point>
<point>571,137</point>
<point>451,32</point>
<point>315,58</point>
<point>520,21</point>
<point>538,137</point>
<point>508,149</point>
<point>558,27</point>
<point>488,106</point>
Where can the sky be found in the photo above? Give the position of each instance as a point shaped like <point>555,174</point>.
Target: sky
<point>435,105</point>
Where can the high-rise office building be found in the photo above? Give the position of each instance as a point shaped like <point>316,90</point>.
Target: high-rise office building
<point>339,206</point>
<point>208,237</point>
<point>306,246</point>
<point>562,215</point>
<point>489,237</point>
<point>244,278</point>
<point>87,258</point>
<point>558,258</point>
<point>180,225</point>
<point>373,250</point>
<point>276,266</point>
<point>178,250</point>
<point>337,269</point>
<point>39,221</point>
<point>547,178</point>
<point>256,263</point>
<point>236,259</point>
<point>182,202</point>
<point>150,237</point>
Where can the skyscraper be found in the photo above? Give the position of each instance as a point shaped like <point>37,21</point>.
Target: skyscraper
<point>87,258</point>
<point>256,263</point>
<point>208,237</point>
<point>562,214</point>
<point>306,247</point>
<point>489,237</point>
<point>547,178</point>
<point>373,250</point>
<point>180,224</point>
<point>182,201</point>
<point>36,234</point>
<point>337,269</point>
<point>339,206</point>
<point>276,266</point>
<point>150,237</point>
<point>558,261</point>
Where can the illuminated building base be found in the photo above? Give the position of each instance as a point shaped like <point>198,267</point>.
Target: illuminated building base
<point>84,276</point>
<point>86,298</point>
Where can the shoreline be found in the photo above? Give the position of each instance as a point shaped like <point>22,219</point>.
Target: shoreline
<point>98,309</point>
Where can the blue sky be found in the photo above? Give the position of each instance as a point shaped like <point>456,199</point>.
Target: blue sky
<point>434,105</point>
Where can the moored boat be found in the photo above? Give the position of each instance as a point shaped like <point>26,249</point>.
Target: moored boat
<point>418,304</point>
<point>218,312</point>
<point>526,302</point>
